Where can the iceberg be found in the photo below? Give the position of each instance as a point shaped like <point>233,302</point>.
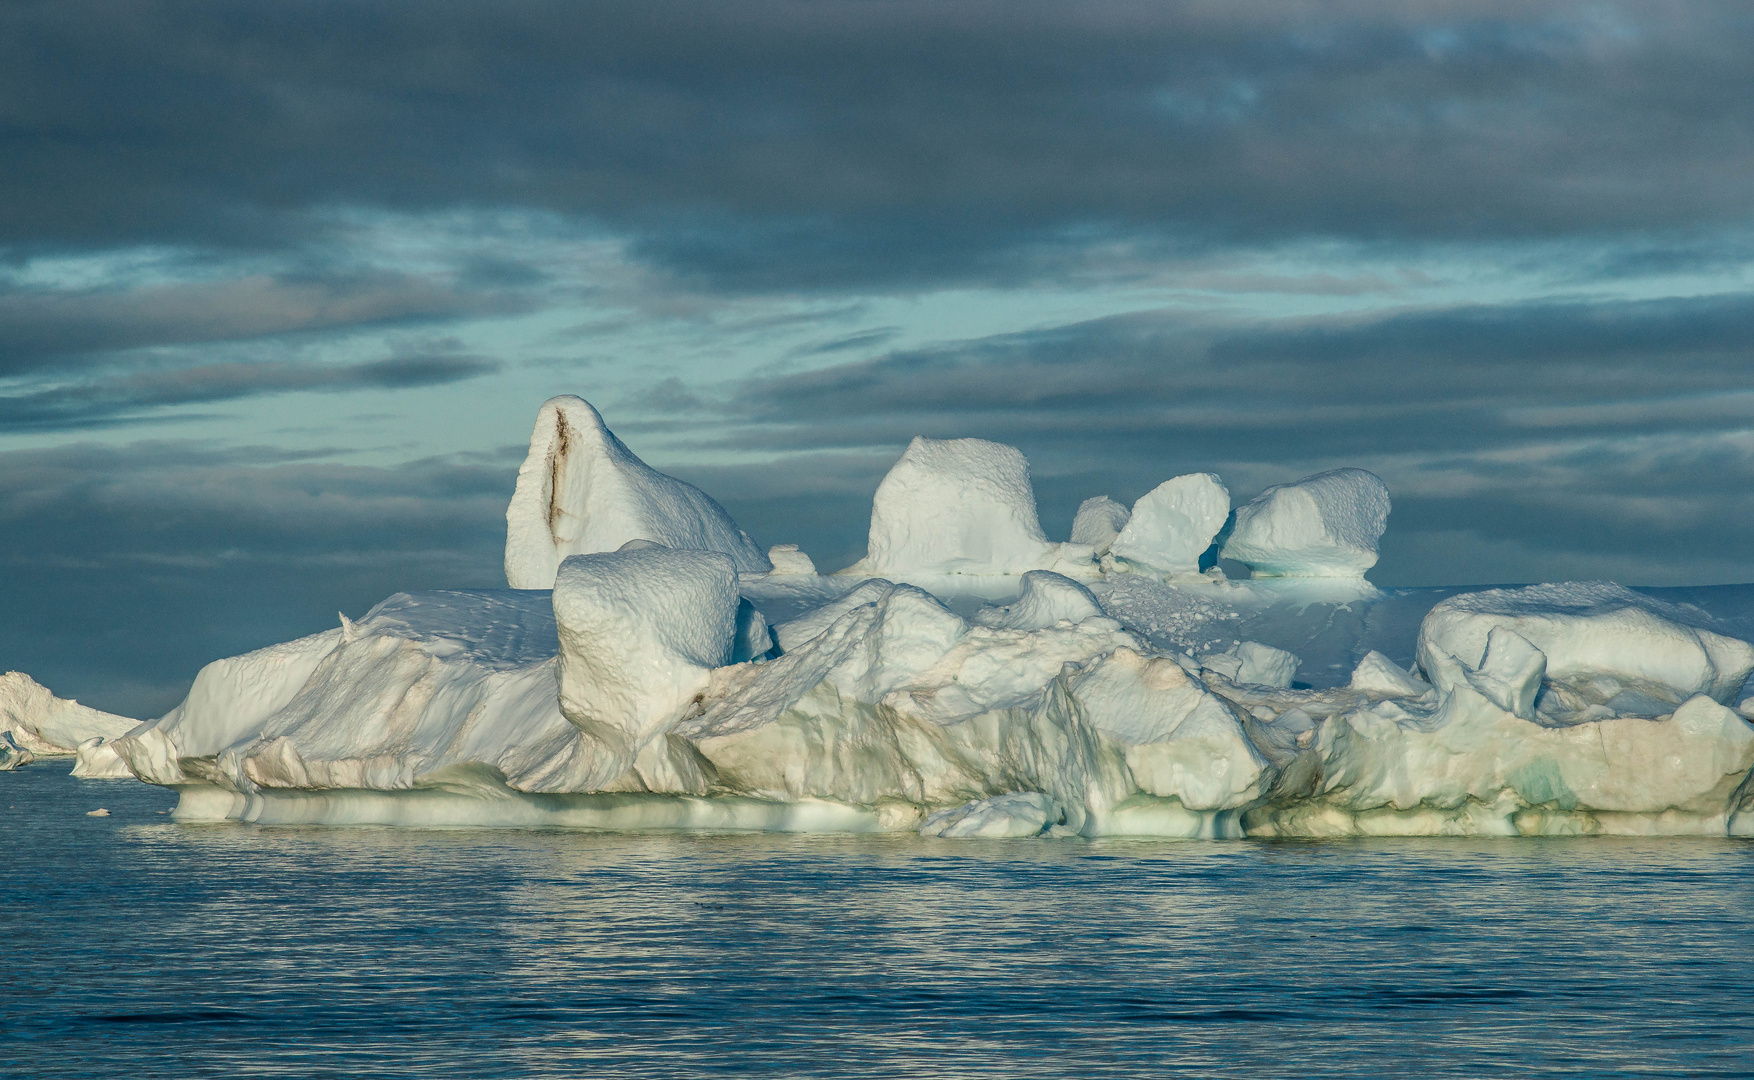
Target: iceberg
<point>1599,643</point>
<point>34,723</point>
<point>1253,662</point>
<point>787,559</point>
<point>970,679</point>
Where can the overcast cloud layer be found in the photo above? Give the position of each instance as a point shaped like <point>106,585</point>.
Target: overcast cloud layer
<point>282,284</point>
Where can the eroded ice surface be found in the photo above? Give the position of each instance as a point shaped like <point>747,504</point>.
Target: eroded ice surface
<point>35,723</point>
<point>994,684</point>
<point>1326,525</point>
<point>581,490</point>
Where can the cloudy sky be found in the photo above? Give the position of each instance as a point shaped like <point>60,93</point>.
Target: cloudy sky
<point>283,284</point>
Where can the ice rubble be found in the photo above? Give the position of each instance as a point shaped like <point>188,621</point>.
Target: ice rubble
<point>581,490</point>
<point>35,723</point>
<point>648,690</point>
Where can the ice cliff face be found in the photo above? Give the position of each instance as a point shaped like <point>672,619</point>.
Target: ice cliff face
<point>649,690</point>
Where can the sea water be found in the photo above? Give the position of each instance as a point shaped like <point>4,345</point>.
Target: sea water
<point>137,947</point>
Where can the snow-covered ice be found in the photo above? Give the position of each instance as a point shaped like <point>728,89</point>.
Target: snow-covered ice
<point>1173,524</point>
<point>640,634</point>
<point>1252,662</point>
<point>969,678</point>
<point>1045,598</point>
<point>1596,642</point>
<point>787,559</point>
<point>581,490</point>
<point>956,507</point>
<point>1326,525</point>
<point>34,723</point>
<point>1099,520</point>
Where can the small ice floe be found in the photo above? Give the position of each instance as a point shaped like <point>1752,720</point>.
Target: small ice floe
<point>99,812</point>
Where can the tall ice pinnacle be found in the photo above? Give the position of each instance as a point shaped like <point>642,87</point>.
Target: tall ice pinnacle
<point>581,490</point>
<point>955,506</point>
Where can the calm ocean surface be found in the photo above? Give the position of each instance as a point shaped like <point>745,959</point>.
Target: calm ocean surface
<point>140,948</point>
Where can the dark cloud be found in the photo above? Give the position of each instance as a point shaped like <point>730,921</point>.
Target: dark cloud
<point>128,568</point>
<point>128,397</point>
<point>40,328</point>
<point>1605,435</point>
<point>1459,378</point>
<point>782,144</point>
<point>862,341</point>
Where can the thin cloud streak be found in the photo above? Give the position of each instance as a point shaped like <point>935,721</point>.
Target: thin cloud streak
<point>129,397</point>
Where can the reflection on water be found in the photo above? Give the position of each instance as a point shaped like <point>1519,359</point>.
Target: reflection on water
<point>143,948</point>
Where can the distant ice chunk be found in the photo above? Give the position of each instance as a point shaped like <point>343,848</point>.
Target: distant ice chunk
<point>1046,599</point>
<point>1020,814</point>
<point>581,490</point>
<point>1379,676</point>
<point>955,506</point>
<point>1598,641</point>
<point>1326,525</point>
<point>12,755</point>
<point>640,632</point>
<point>1172,525</point>
<point>787,559</point>
<point>1098,522</point>
<point>1253,663</point>
<point>41,723</point>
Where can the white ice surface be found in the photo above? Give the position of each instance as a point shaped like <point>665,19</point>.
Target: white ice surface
<point>96,759</point>
<point>787,559</point>
<point>885,708</point>
<point>955,507</point>
<point>1326,525</point>
<point>39,723</point>
<point>1377,674</point>
<point>581,490</point>
<point>1046,598</point>
<point>1597,642</point>
<point>1173,524</point>
<point>1098,522</point>
<point>1253,662</point>
<point>640,634</point>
